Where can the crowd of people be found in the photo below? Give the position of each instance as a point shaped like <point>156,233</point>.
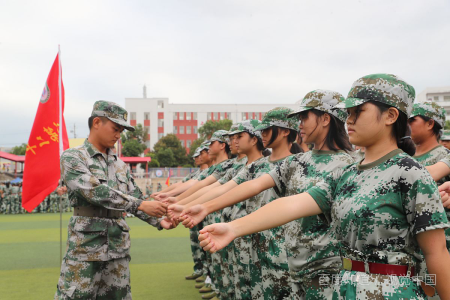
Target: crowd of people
<point>346,205</point>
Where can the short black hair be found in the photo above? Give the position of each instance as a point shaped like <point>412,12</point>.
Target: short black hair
<point>436,127</point>
<point>91,120</point>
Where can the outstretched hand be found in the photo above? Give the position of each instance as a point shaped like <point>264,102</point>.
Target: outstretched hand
<point>153,208</point>
<point>444,191</point>
<point>169,200</point>
<point>161,196</point>
<point>216,236</point>
<point>174,211</point>
<point>193,215</point>
<point>168,224</point>
<point>61,190</point>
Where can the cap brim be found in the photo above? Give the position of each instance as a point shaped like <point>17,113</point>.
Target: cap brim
<point>262,127</point>
<point>300,110</point>
<point>350,102</point>
<point>123,124</point>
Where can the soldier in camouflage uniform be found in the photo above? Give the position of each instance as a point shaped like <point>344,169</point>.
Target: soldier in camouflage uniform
<point>445,138</point>
<point>382,210</point>
<point>101,188</point>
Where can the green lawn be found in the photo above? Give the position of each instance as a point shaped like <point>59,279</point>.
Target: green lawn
<point>29,259</point>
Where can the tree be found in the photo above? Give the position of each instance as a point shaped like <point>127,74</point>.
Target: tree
<point>447,125</point>
<point>154,163</point>
<point>19,150</point>
<point>207,129</point>
<point>171,142</point>
<point>195,145</point>
<point>140,133</point>
<point>132,147</point>
<point>166,158</point>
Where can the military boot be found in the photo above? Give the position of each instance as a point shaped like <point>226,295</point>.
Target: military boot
<point>206,289</point>
<point>200,279</point>
<point>209,296</point>
<point>193,276</point>
<point>199,285</point>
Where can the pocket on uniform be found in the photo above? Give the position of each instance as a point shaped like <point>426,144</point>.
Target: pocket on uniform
<point>87,238</point>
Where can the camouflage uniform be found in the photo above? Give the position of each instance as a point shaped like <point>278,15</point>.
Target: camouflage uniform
<point>95,264</point>
<point>249,276</point>
<point>311,246</point>
<point>378,208</point>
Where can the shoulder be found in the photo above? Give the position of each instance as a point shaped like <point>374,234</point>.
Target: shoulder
<point>70,154</point>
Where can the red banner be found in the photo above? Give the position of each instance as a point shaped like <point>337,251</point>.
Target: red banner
<point>47,140</point>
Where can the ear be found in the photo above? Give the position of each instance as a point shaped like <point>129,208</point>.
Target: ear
<point>430,124</point>
<point>326,119</point>
<point>284,132</point>
<point>254,140</point>
<point>391,116</point>
<point>222,146</point>
<point>96,122</point>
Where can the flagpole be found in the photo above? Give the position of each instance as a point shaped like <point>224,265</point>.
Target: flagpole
<point>61,137</point>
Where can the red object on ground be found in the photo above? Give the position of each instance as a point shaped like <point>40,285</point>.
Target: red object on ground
<point>46,143</point>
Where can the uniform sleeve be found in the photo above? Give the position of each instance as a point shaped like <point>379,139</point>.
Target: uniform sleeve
<point>324,193</point>
<point>84,184</point>
<point>423,205</point>
<point>243,175</point>
<point>227,177</point>
<point>446,160</point>
<point>280,175</point>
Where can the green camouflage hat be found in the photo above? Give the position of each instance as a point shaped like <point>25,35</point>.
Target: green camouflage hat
<point>204,146</point>
<point>431,110</point>
<point>279,117</point>
<point>113,112</point>
<point>220,136</point>
<point>385,88</point>
<point>233,128</point>
<point>323,100</point>
<point>250,127</point>
<point>445,135</point>
<point>196,152</point>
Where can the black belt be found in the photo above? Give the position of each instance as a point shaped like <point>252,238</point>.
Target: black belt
<point>95,211</point>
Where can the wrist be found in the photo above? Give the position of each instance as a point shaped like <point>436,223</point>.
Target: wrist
<point>207,207</point>
<point>234,229</point>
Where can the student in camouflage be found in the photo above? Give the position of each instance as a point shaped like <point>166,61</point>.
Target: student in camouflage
<point>278,132</point>
<point>101,188</point>
<point>445,138</point>
<point>383,208</point>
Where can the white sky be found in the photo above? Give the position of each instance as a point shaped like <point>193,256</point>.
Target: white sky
<point>210,51</point>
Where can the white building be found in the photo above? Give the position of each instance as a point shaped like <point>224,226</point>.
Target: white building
<point>160,117</point>
<point>440,95</point>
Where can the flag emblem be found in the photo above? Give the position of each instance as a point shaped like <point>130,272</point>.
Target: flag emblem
<point>45,94</point>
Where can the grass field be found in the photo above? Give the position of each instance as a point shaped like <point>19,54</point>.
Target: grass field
<point>29,259</point>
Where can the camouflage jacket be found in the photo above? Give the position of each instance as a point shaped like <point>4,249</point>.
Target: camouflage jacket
<point>378,208</point>
<point>256,169</point>
<point>312,247</point>
<point>231,172</point>
<point>205,173</point>
<point>434,156</point>
<point>191,175</point>
<point>97,179</point>
<point>222,168</point>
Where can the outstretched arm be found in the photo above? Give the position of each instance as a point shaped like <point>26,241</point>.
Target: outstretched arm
<point>281,211</point>
<point>177,190</point>
<point>198,186</point>
<point>204,191</point>
<point>438,170</point>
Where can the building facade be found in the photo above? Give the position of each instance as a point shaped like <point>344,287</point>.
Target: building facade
<point>160,117</point>
<point>440,95</point>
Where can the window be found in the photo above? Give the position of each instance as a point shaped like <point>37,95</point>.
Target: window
<point>208,115</point>
<point>160,122</point>
<point>181,129</point>
<point>446,98</point>
<point>222,116</point>
<point>160,104</point>
<point>188,143</point>
<point>147,129</point>
<point>181,115</point>
<point>229,116</point>
<point>216,116</point>
<point>195,129</point>
<point>188,116</point>
<point>244,116</point>
<point>160,135</point>
<point>132,116</point>
<point>188,129</point>
<point>146,116</point>
<point>175,129</point>
<point>182,142</point>
<point>175,116</point>
<point>195,116</point>
<point>436,98</point>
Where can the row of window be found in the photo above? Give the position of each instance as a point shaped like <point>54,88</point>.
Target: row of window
<point>446,98</point>
<point>218,115</point>
<point>185,116</point>
<point>180,129</point>
<point>253,115</point>
<point>188,143</point>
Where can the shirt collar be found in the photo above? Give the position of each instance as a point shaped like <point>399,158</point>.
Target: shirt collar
<point>94,151</point>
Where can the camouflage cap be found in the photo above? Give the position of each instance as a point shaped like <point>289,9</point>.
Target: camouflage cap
<point>204,146</point>
<point>385,88</point>
<point>279,117</point>
<point>445,135</point>
<point>323,100</point>
<point>113,112</point>
<point>220,136</point>
<point>196,152</point>
<point>250,127</point>
<point>431,110</point>
<point>233,128</point>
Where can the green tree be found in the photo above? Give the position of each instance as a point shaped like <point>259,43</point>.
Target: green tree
<point>195,144</point>
<point>166,158</point>
<point>154,163</point>
<point>207,129</point>
<point>140,133</point>
<point>171,142</point>
<point>19,150</point>
<point>447,125</point>
<point>132,147</point>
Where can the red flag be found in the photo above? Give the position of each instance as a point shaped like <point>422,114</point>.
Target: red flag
<point>48,139</point>
<point>168,179</point>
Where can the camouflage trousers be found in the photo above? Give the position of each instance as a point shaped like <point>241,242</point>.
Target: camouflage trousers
<point>241,273</point>
<point>227,270</point>
<point>94,280</point>
<point>318,288</point>
<point>198,255</point>
<point>273,263</point>
<point>362,286</point>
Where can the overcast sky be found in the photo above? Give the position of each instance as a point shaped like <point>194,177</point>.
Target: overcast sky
<point>210,51</point>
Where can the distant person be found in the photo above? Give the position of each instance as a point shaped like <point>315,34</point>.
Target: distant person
<point>445,139</point>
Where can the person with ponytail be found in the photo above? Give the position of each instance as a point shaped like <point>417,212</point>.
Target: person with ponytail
<point>308,243</point>
<point>383,208</point>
